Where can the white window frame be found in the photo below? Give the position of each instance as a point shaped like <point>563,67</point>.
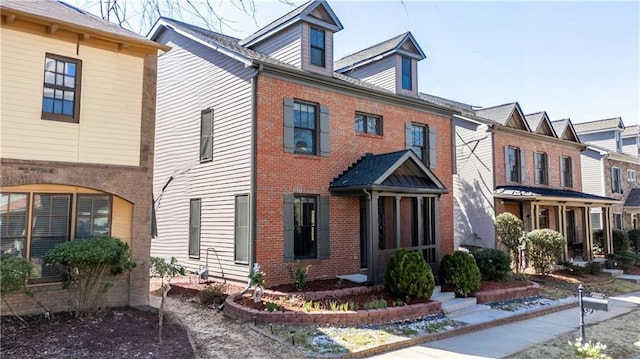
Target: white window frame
<point>631,175</point>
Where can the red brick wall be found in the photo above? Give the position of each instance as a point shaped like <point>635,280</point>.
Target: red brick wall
<point>279,172</point>
<point>531,145</point>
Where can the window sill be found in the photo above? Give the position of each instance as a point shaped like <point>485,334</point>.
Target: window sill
<point>307,157</point>
<point>370,135</point>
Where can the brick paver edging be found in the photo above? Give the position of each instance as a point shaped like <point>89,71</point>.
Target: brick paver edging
<point>427,337</point>
<point>498,295</point>
<point>235,310</point>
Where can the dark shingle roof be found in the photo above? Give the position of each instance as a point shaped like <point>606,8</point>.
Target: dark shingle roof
<point>526,191</point>
<point>599,125</point>
<point>534,119</point>
<point>633,200</point>
<point>631,131</point>
<point>374,170</point>
<point>446,102</point>
<point>383,48</point>
<point>62,14</point>
<point>559,126</point>
<point>499,114</point>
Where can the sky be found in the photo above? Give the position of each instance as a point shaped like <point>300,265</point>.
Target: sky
<point>577,60</point>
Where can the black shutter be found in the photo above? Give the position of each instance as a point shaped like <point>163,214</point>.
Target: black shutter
<point>288,125</point>
<point>432,147</point>
<point>289,227</point>
<point>206,134</point>
<point>408,135</point>
<point>325,250</point>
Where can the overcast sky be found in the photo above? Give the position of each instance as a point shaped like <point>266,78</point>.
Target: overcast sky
<point>578,60</point>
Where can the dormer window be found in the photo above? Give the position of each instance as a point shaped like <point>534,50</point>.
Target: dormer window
<point>618,141</point>
<point>317,44</point>
<point>406,74</point>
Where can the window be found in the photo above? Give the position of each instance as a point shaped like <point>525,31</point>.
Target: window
<point>206,135</point>
<point>61,96</point>
<point>406,74</point>
<point>93,215</point>
<point>194,228</point>
<point>422,140</point>
<point>419,140</point>
<point>617,221</point>
<point>304,217</point>
<point>543,219</point>
<point>616,180</point>
<point>541,163</point>
<point>50,217</point>
<point>317,47</point>
<point>631,175</point>
<point>241,232</point>
<point>368,124</point>
<point>618,141</point>
<point>306,128</point>
<point>595,221</point>
<point>566,171</point>
<point>513,164</point>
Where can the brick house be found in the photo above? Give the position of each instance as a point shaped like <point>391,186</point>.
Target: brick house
<point>77,118</point>
<point>507,161</point>
<point>267,151</point>
<point>612,165</point>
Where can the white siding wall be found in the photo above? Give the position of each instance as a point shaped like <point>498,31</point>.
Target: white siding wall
<point>592,173</point>
<point>603,139</point>
<point>473,186</point>
<point>630,146</point>
<point>109,125</point>
<point>380,73</point>
<point>286,46</point>
<point>192,77</point>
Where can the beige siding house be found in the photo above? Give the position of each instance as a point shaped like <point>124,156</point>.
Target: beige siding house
<point>77,127</point>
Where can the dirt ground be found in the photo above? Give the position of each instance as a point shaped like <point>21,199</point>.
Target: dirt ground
<point>129,333</point>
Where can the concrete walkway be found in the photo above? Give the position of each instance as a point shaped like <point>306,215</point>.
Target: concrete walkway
<point>505,340</point>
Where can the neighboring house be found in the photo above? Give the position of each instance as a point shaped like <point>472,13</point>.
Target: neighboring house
<point>611,169</point>
<point>507,161</point>
<point>267,152</point>
<point>77,116</point>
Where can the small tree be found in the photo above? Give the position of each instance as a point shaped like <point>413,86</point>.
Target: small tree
<point>90,267</point>
<point>510,232</point>
<point>408,276</point>
<point>544,247</point>
<point>459,269</point>
<point>165,271</point>
<point>14,276</point>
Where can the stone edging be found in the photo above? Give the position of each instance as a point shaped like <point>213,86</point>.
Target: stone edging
<point>498,295</point>
<point>235,310</point>
<point>428,337</point>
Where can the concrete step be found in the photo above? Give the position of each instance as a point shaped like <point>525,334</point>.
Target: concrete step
<point>457,304</point>
<point>436,290</point>
<point>629,277</point>
<point>613,272</point>
<point>472,309</point>
<point>443,297</point>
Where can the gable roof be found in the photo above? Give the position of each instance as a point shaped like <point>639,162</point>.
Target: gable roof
<point>564,130</point>
<point>503,114</point>
<point>554,193</point>
<point>62,15</point>
<point>307,12</point>
<point>404,44</point>
<point>633,199</point>
<point>600,125</point>
<point>630,131</point>
<point>539,123</point>
<point>400,171</point>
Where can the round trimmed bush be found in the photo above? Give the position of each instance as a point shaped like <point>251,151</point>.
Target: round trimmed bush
<point>408,276</point>
<point>544,247</point>
<point>493,263</point>
<point>634,239</point>
<point>459,269</point>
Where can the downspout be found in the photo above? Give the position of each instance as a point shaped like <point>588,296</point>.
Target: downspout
<point>369,237</point>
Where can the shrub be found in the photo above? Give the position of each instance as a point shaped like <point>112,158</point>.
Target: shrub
<point>634,239</point>
<point>299,277</point>
<point>165,271</point>
<point>626,259</point>
<point>494,264</point>
<point>597,238</point>
<point>544,247</point>
<point>460,270</point>
<point>14,276</point>
<point>620,241</point>
<point>574,269</point>
<point>594,268</point>
<point>509,230</point>
<point>408,276</point>
<point>91,265</point>
<point>212,295</point>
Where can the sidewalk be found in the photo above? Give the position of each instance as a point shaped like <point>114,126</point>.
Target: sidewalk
<point>505,340</point>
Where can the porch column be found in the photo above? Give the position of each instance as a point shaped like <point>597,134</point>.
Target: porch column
<point>397,221</point>
<point>606,230</point>
<point>534,217</point>
<point>588,245</point>
<point>563,229</point>
<point>373,239</point>
<point>436,226</point>
<point>420,220</point>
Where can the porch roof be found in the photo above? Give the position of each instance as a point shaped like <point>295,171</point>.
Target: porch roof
<point>551,194</point>
<point>633,200</point>
<point>401,172</point>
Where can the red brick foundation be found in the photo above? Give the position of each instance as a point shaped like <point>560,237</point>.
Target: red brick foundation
<point>499,295</point>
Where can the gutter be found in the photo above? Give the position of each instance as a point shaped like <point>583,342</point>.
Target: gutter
<point>254,159</point>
